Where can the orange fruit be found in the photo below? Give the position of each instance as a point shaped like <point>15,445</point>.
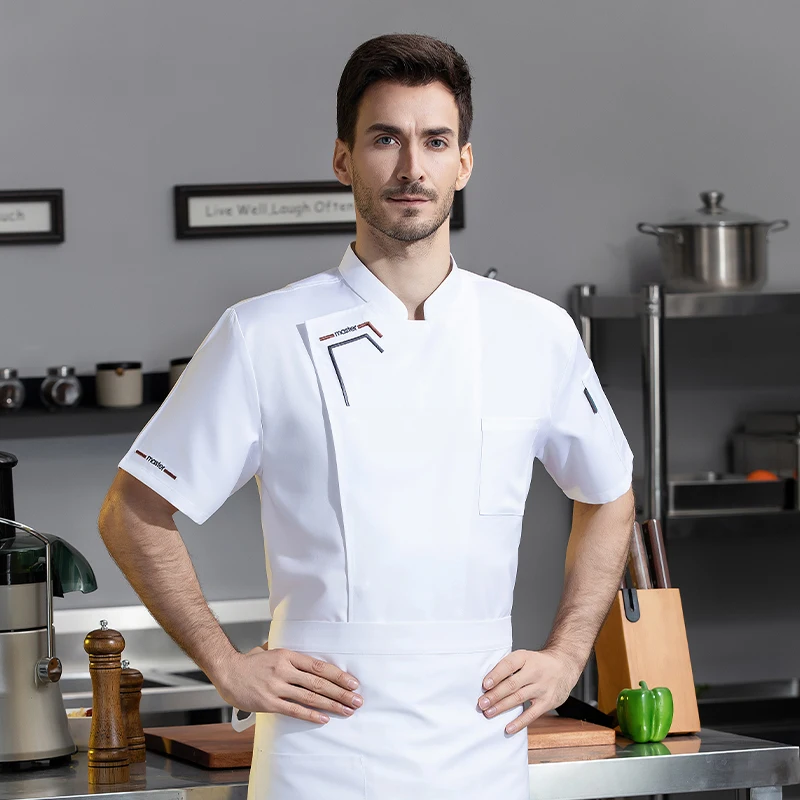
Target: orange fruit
<point>762,475</point>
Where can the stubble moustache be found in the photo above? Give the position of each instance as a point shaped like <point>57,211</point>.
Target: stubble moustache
<point>407,229</point>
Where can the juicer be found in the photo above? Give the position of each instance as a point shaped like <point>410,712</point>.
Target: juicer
<point>34,567</point>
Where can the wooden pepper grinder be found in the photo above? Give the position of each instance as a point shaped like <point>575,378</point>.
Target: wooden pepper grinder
<point>108,746</point>
<point>131,681</point>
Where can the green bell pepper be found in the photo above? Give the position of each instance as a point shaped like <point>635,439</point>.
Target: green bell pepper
<point>645,715</point>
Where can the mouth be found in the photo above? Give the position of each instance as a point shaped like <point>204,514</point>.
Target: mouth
<point>409,200</point>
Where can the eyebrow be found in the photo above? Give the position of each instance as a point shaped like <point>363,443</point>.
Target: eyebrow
<point>380,127</point>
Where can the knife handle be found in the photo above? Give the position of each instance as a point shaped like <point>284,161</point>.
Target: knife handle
<point>637,560</point>
<point>659,553</point>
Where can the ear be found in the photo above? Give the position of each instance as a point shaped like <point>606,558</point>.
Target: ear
<point>465,167</point>
<point>341,163</point>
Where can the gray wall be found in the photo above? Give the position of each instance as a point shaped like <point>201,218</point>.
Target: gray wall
<point>590,117</point>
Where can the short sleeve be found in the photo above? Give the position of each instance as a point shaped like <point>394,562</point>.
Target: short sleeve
<point>585,450</point>
<point>204,442</point>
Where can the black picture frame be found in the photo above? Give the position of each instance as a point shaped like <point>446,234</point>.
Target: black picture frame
<point>183,194</point>
<point>55,197</point>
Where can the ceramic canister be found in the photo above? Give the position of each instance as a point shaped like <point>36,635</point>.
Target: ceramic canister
<point>119,384</point>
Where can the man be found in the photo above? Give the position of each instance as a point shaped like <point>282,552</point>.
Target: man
<point>391,410</point>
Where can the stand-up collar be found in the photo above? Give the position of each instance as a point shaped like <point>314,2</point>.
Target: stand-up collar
<point>372,290</point>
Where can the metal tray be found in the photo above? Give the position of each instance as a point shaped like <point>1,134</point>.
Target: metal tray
<point>711,492</point>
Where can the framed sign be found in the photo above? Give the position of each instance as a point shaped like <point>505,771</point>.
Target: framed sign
<point>266,209</point>
<point>32,216</point>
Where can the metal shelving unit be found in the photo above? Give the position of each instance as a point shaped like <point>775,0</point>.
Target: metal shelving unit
<point>86,419</point>
<point>80,421</point>
<point>653,306</point>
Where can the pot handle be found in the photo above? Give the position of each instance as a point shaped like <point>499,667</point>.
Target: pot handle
<point>646,227</point>
<point>777,225</point>
<point>655,230</point>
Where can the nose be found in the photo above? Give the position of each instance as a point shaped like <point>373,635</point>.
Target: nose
<point>409,166</point>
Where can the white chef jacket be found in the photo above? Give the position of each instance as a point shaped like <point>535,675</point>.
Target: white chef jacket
<point>249,404</point>
<point>393,459</point>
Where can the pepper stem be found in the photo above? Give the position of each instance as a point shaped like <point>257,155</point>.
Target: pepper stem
<point>643,686</point>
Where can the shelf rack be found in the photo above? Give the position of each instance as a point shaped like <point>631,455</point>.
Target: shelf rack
<point>653,306</point>
<point>34,420</point>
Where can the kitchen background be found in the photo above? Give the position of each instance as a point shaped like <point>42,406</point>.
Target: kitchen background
<point>589,118</point>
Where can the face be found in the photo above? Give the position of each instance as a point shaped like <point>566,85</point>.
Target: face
<point>405,164</point>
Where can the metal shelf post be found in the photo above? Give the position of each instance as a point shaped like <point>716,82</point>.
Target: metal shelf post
<point>581,295</point>
<point>655,431</point>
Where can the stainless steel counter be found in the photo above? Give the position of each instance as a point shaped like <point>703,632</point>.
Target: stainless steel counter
<point>713,760</point>
<point>161,778</point>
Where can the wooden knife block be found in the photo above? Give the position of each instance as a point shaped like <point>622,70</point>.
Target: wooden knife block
<point>653,649</point>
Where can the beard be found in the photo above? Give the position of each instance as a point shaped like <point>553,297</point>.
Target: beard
<point>409,228</point>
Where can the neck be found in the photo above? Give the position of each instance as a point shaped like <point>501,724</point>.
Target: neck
<point>410,270</point>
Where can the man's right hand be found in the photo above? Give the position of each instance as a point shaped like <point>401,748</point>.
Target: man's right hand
<point>289,683</point>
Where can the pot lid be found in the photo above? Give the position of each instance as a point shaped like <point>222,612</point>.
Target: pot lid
<point>713,213</point>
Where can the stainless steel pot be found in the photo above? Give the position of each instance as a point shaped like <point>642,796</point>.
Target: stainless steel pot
<point>714,249</point>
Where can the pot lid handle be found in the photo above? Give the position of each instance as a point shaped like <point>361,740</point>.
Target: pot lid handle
<point>712,202</point>
<point>713,213</point>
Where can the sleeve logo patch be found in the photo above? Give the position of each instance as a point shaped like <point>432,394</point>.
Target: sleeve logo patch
<point>156,464</point>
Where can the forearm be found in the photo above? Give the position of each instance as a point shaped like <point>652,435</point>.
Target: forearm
<point>149,551</point>
<point>596,554</point>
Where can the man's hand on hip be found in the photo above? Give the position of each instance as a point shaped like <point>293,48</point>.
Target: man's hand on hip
<point>545,677</point>
<point>289,683</point>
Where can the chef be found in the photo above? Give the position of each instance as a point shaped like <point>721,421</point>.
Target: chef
<point>390,409</point>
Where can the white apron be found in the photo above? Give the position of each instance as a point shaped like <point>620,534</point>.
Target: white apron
<point>404,427</point>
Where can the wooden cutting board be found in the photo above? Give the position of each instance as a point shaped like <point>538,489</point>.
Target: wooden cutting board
<point>216,746</point>
<point>551,731</point>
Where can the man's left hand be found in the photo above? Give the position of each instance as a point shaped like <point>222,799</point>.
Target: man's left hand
<point>545,677</point>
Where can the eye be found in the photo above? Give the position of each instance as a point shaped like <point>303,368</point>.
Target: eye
<point>385,140</point>
<point>438,144</point>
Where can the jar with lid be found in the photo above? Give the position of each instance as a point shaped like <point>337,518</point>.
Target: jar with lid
<point>120,384</point>
<point>12,392</point>
<point>61,388</point>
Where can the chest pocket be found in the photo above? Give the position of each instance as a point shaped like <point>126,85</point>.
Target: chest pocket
<point>508,447</point>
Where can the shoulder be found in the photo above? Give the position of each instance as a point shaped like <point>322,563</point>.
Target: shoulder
<point>290,304</point>
<point>525,313</point>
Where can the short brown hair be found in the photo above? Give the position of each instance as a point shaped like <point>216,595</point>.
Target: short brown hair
<point>408,58</point>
